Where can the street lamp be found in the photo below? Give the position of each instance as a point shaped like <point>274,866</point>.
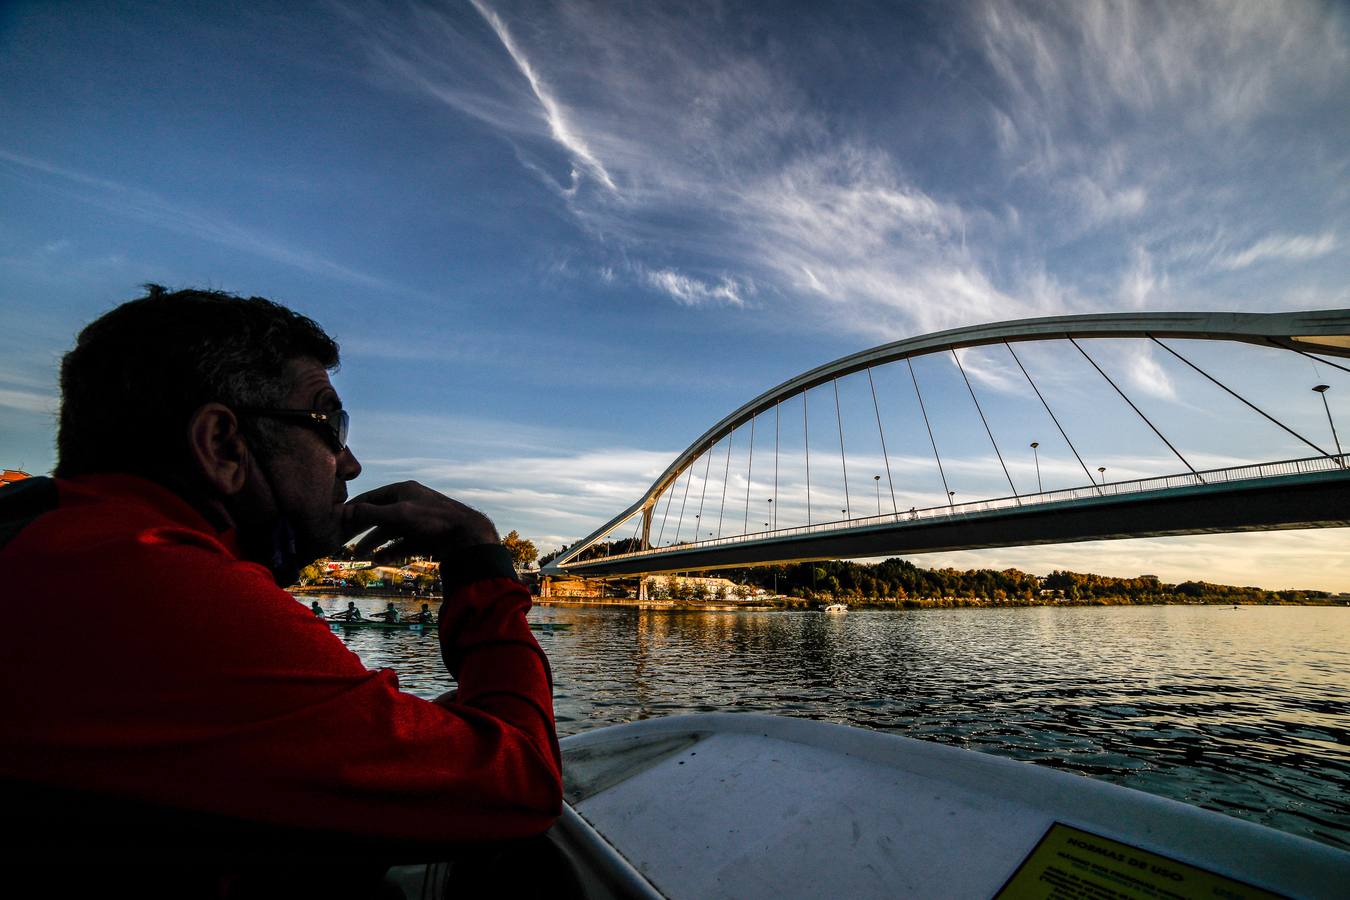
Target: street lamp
<point>1322,389</point>
<point>1036,456</point>
<point>1102,471</point>
<point>876,479</point>
<point>950,501</point>
<point>773,515</point>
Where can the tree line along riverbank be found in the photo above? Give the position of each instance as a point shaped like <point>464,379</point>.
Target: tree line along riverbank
<point>891,584</point>
<point>900,583</point>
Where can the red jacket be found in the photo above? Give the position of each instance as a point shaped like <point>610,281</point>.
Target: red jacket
<point>142,658</point>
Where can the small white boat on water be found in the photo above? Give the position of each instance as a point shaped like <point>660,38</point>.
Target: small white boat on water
<point>750,806</point>
<point>836,607</point>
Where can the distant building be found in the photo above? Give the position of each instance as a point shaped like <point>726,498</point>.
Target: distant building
<point>345,565</point>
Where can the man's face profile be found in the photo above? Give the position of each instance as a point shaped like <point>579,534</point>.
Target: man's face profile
<point>303,480</point>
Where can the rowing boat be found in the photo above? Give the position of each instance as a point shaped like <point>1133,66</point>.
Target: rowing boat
<point>337,626</point>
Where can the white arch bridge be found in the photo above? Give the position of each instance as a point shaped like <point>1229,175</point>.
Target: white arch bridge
<point>1150,389</point>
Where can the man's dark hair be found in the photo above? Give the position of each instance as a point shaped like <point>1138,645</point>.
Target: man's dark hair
<point>138,372</point>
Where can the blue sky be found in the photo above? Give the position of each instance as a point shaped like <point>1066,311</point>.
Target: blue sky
<point>558,242</point>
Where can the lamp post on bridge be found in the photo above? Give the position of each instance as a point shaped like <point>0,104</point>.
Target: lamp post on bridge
<point>1037,457</point>
<point>876,479</point>
<point>1101,470</point>
<point>1322,389</point>
<point>773,516</point>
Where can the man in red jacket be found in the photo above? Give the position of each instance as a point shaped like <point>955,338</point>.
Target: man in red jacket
<point>203,460</point>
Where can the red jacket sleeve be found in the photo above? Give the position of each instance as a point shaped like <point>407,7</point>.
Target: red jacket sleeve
<point>213,690</point>
<point>501,670</point>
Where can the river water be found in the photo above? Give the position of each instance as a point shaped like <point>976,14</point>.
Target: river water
<point>1245,711</point>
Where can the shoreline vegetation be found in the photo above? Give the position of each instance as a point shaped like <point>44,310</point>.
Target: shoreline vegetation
<point>892,584</point>
<point>899,584</point>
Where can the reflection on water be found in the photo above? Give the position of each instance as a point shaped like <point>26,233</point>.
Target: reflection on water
<point>1244,711</point>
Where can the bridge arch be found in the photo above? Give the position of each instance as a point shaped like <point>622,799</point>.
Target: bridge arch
<point>1323,332</point>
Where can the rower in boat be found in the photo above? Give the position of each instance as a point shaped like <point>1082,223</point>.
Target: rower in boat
<point>350,614</point>
<point>315,608</point>
<point>390,614</point>
<point>425,616</point>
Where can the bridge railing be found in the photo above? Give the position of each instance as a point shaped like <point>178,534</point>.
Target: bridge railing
<point>1210,477</point>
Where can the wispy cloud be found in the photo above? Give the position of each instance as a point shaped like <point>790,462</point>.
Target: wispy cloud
<point>728,163</point>
<point>1145,373</point>
<point>559,125</point>
<point>1280,247</point>
<point>721,155</point>
<point>538,494</point>
<point>1139,283</point>
<point>1229,62</point>
<point>690,291</point>
<point>27,401</point>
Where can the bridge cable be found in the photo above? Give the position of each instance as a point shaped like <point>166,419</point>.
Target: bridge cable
<point>1136,410</point>
<point>680,525</point>
<point>1092,480</point>
<point>609,550</point>
<point>839,420</point>
<point>774,517</point>
<point>749,467</point>
<point>698,519</point>
<point>1309,355</point>
<point>884,455</point>
<point>985,421</point>
<point>1239,396</point>
<point>806,439</point>
<point>635,546</point>
<point>931,440</point>
<point>670,495</point>
<point>725,476</point>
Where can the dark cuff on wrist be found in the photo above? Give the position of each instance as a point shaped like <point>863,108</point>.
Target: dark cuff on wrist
<point>465,566</point>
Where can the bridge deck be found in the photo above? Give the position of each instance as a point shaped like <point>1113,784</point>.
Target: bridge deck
<point>1304,493</point>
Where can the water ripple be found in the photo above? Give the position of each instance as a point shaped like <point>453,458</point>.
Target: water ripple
<point>1242,711</point>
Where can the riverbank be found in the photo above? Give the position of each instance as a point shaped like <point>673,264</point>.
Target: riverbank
<point>797,603</point>
<point>329,590</point>
<point>763,604</point>
<point>757,606</point>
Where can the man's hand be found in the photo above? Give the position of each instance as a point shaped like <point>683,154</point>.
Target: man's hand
<point>418,520</point>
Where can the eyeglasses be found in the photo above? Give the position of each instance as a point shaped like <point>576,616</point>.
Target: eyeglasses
<point>332,424</point>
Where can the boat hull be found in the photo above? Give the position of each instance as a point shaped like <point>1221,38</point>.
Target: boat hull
<point>747,806</point>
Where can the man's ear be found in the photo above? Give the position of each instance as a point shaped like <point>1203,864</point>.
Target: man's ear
<point>218,449</point>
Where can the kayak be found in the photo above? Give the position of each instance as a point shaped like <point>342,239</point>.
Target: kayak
<point>752,806</point>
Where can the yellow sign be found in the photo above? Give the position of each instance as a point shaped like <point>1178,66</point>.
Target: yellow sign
<point>1069,864</point>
